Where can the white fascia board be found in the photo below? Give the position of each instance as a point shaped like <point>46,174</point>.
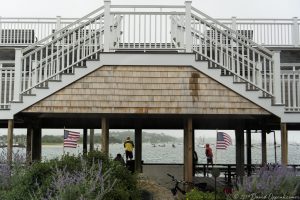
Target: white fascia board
<point>150,59</point>
<point>291,118</point>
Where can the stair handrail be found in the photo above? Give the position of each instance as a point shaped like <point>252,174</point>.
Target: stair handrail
<point>233,31</point>
<point>59,50</point>
<point>63,30</point>
<point>246,60</point>
<point>59,37</point>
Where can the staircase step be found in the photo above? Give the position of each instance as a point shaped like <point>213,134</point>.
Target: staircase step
<point>54,80</point>
<point>29,95</point>
<point>44,87</point>
<point>260,97</point>
<point>235,82</point>
<point>226,74</point>
<point>252,90</point>
<point>69,74</point>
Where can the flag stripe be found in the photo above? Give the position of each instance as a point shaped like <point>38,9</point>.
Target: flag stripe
<point>223,140</point>
<point>71,138</point>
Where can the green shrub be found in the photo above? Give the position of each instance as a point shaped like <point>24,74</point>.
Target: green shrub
<point>195,194</point>
<point>35,178</point>
<point>73,177</point>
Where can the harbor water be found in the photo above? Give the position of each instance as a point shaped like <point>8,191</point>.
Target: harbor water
<point>173,153</point>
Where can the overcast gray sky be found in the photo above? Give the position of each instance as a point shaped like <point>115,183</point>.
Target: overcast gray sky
<point>214,8</point>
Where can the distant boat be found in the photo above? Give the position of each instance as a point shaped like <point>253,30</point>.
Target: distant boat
<point>153,145</point>
<point>2,145</point>
<point>173,145</point>
<point>162,145</point>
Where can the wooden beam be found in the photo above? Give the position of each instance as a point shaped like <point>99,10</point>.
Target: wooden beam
<point>84,149</point>
<point>239,151</point>
<point>92,132</point>
<point>263,147</point>
<point>138,149</point>
<point>105,136</point>
<point>284,144</point>
<point>10,135</point>
<point>249,156</point>
<point>29,145</point>
<point>37,143</point>
<point>188,150</point>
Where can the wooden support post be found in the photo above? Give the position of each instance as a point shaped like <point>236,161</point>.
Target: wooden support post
<point>249,159</point>
<point>194,161</point>
<point>37,143</point>
<point>239,151</point>
<point>10,135</point>
<point>29,145</point>
<point>284,144</point>
<point>138,149</point>
<point>263,147</point>
<point>84,150</point>
<point>188,150</point>
<point>105,136</point>
<point>92,139</point>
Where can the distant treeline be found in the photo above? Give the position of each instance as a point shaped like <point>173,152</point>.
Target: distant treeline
<point>114,137</point>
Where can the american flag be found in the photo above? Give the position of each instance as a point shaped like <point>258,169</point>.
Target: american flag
<point>71,138</point>
<point>223,140</point>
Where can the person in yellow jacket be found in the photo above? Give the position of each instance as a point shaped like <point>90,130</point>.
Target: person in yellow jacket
<point>128,145</point>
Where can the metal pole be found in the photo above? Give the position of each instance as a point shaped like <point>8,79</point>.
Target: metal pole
<point>275,147</point>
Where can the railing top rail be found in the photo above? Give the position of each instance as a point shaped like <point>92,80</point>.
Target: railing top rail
<point>147,6</point>
<point>62,30</point>
<point>6,68</point>
<point>289,64</point>
<point>3,19</point>
<point>148,13</point>
<point>235,32</point>
<point>6,61</point>
<point>257,19</point>
<point>41,19</point>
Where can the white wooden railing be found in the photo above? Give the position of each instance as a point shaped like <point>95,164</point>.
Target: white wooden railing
<point>59,52</point>
<point>235,54</point>
<point>290,86</point>
<point>26,31</point>
<point>145,27</point>
<point>7,71</point>
<point>266,32</point>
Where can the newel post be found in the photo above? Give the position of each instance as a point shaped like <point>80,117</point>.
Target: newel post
<point>106,25</point>
<point>18,74</point>
<point>0,30</point>
<point>188,26</point>
<point>295,32</point>
<point>58,23</point>
<point>233,23</point>
<point>276,77</point>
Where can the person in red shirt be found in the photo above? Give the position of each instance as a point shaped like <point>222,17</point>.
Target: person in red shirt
<point>209,154</point>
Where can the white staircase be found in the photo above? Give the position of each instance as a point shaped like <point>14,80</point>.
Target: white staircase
<point>63,57</point>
